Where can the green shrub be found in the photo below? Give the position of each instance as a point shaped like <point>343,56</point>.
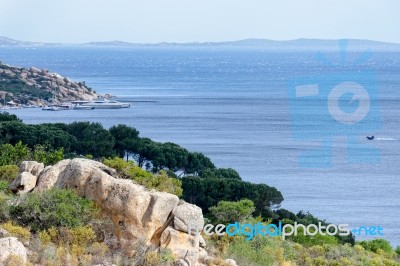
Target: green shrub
<point>229,211</point>
<point>376,244</point>
<point>47,156</point>
<point>3,185</point>
<point>398,250</point>
<point>8,172</point>
<point>10,154</point>
<point>258,251</point>
<point>318,239</point>
<point>52,208</point>
<point>167,256</point>
<point>4,214</point>
<point>160,181</point>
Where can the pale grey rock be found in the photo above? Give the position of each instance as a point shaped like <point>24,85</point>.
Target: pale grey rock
<point>24,183</point>
<point>186,214</point>
<point>230,262</point>
<point>50,174</point>
<point>3,233</point>
<point>11,246</point>
<point>32,167</point>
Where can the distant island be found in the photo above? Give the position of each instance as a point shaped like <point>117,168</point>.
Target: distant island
<point>252,42</point>
<point>33,86</point>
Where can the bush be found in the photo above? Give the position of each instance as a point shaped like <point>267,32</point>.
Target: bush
<point>317,239</point>
<point>81,236</point>
<point>398,250</point>
<point>47,156</point>
<point>10,154</point>
<point>160,181</point>
<point>8,172</point>
<point>4,185</point>
<point>4,214</point>
<point>229,212</point>
<point>53,208</point>
<point>153,258</point>
<point>17,231</point>
<point>376,244</point>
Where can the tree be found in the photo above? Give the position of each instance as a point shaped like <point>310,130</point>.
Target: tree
<point>10,154</point>
<point>5,116</point>
<point>170,156</point>
<point>220,173</point>
<point>207,192</point>
<point>197,163</point>
<point>229,211</point>
<point>144,150</point>
<point>13,131</point>
<point>125,138</point>
<point>92,138</point>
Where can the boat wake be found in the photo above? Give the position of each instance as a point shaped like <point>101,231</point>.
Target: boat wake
<point>386,139</point>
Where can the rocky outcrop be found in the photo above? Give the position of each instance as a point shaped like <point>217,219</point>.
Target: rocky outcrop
<point>186,214</point>
<point>26,180</point>
<point>181,244</point>
<point>32,167</point>
<point>137,213</point>
<point>33,86</point>
<point>11,246</point>
<point>24,183</point>
<point>50,175</point>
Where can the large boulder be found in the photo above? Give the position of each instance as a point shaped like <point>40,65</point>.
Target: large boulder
<point>137,213</point>
<point>11,246</point>
<point>32,167</point>
<point>182,245</point>
<point>188,215</point>
<point>50,175</point>
<point>24,183</point>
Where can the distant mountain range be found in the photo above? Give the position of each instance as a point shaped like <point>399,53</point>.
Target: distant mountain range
<point>5,41</point>
<point>290,44</point>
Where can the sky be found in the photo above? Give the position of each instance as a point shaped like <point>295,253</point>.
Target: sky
<point>152,21</point>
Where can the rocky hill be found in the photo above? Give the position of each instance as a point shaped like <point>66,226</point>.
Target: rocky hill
<point>39,87</point>
<point>159,219</point>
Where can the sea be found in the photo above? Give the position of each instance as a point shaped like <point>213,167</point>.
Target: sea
<point>234,105</point>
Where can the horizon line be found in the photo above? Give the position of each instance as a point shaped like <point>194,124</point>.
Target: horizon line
<point>194,42</point>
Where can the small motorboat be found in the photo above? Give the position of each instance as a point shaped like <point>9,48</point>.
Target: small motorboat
<point>370,138</point>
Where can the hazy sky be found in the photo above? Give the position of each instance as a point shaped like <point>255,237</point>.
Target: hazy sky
<point>75,21</point>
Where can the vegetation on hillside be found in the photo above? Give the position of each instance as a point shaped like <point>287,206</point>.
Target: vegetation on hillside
<point>60,228</point>
<point>35,86</point>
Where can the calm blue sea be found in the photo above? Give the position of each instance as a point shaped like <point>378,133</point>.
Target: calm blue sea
<point>232,105</point>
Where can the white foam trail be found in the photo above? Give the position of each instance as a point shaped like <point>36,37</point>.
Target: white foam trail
<point>386,139</point>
